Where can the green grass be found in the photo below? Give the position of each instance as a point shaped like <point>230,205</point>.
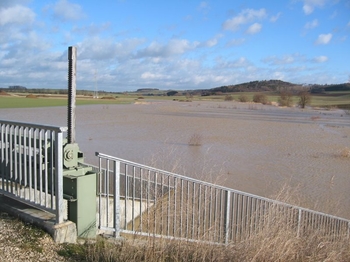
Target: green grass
<point>23,102</point>
<point>328,100</point>
<point>341,100</point>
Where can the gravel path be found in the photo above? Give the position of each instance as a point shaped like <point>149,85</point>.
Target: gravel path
<point>22,242</point>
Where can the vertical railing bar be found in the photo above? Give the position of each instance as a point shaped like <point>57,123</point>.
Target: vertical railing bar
<point>116,202</point>
<point>161,202</point>
<point>106,190</point>
<point>257,216</point>
<point>175,207</point>
<point>141,198</point>
<point>2,160</point>
<point>239,216</point>
<point>215,214</point>
<point>210,227</point>
<point>205,212</point>
<point>247,217</point>
<point>40,153</point>
<point>46,169</point>
<point>187,209</point>
<point>7,148</point>
<point>193,203</point>
<point>100,179</point>
<point>30,165</point>
<point>126,196</point>
<point>236,216</point>
<point>148,200</point>
<point>15,154</point>
<point>155,202</point>
<point>52,173</point>
<point>20,166</point>
<point>59,178</point>
<point>252,216</point>
<point>227,222</point>
<point>244,216</point>
<point>222,215</point>
<point>133,200</point>
<point>181,205</point>
<point>168,209</point>
<point>299,222</point>
<point>10,174</point>
<point>199,210</point>
<point>35,167</point>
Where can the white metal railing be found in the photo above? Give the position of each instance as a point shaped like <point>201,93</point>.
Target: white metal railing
<point>152,202</point>
<point>31,167</point>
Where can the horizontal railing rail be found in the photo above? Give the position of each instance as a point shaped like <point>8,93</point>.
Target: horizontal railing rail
<point>31,167</point>
<point>142,200</point>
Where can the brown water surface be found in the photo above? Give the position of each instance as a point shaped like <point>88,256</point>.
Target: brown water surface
<point>249,147</point>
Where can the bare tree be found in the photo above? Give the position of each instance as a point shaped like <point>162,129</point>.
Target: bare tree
<point>286,98</point>
<point>304,99</point>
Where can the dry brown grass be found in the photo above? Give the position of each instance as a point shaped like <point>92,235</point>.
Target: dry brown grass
<point>270,245</point>
<point>276,241</point>
<point>345,153</point>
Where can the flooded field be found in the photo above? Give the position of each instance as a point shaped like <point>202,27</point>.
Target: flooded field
<point>249,147</point>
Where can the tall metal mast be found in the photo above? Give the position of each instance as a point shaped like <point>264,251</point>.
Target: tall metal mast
<point>72,69</point>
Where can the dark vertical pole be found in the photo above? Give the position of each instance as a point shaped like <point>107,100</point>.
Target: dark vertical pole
<point>72,67</point>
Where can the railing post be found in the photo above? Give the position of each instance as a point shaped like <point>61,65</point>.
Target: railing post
<point>116,206</point>
<point>299,222</point>
<point>59,177</point>
<point>227,216</point>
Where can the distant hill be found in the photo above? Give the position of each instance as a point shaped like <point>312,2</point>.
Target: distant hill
<point>330,88</point>
<point>147,89</point>
<point>255,86</point>
<point>273,86</point>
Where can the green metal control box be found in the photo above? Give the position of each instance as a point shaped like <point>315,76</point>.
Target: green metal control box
<point>80,191</point>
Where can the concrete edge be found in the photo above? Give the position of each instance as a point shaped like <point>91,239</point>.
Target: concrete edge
<point>65,232</point>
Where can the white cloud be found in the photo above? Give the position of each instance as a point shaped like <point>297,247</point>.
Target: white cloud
<point>323,39</point>
<point>234,42</point>
<point>239,63</point>
<point>282,60</point>
<point>310,5</point>
<point>173,47</point>
<point>312,24</point>
<point>275,17</point>
<point>97,48</point>
<point>7,3</point>
<point>66,11</point>
<point>203,5</point>
<point>254,28</point>
<point>152,76</point>
<point>246,16</point>
<point>16,15</point>
<point>92,29</point>
<point>212,42</point>
<point>308,9</point>
<point>320,59</point>
<point>348,25</point>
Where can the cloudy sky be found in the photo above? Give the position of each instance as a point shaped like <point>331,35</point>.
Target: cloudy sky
<point>124,45</point>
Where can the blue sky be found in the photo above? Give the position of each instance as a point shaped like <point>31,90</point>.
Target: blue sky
<point>124,45</point>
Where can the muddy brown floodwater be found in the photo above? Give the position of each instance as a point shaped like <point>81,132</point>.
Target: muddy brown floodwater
<point>248,147</point>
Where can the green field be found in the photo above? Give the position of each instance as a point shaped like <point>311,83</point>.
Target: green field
<point>326,100</point>
<point>24,102</point>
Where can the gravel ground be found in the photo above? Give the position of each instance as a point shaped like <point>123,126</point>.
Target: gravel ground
<point>23,242</point>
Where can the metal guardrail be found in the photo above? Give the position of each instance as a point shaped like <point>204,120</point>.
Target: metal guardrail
<point>153,202</point>
<point>31,166</point>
